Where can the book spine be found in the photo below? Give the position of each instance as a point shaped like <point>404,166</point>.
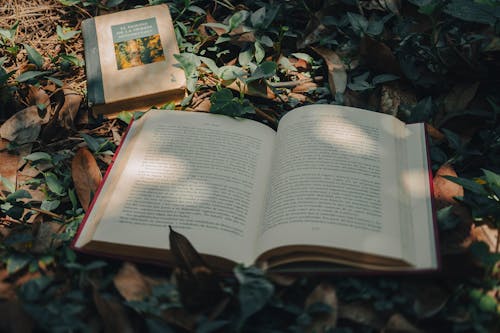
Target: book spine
<point>95,87</point>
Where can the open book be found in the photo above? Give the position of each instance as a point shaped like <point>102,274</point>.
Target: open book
<point>334,188</point>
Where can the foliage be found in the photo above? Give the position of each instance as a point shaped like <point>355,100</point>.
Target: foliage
<point>431,61</point>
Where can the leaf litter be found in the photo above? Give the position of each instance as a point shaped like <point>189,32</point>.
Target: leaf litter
<point>376,40</point>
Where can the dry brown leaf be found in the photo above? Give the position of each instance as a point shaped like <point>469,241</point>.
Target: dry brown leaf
<point>379,56</point>
<point>210,19</point>
<point>434,133</point>
<point>181,318</point>
<point>305,87</point>
<point>203,106</point>
<point>393,95</point>
<point>487,234</point>
<point>326,294</point>
<point>38,97</point>
<point>112,312</point>
<point>14,319</point>
<point>361,313</point>
<point>86,176</point>
<point>254,88</point>
<point>430,300</point>
<point>9,164</point>
<point>45,236</point>
<point>460,96</point>
<point>131,283</point>
<point>399,324</point>
<point>24,126</point>
<point>444,189</point>
<point>69,109</point>
<point>337,76</point>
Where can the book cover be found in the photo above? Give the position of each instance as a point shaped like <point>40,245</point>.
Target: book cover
<point>130,61</point>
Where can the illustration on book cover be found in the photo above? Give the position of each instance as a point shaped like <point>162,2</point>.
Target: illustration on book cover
<point>137,43</point>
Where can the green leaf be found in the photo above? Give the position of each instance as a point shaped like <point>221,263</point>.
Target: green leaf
<point>66,33</point>
<point>257,18</point>
<point>358,22</point>
<point>223,102</point>
<point>30,75</point>
<point>473,11</point>
<point>71,59</point>
<point>189,63</point>
<point>263,71</point>
<point>92,143</point>
<point>9,34</point>
<point>113,3</point>
<point>11,187</point>
<point>17,261</point>
<point>57,82</point>
<point>245,56</point>
<point>69,2</point>
<point>54,184</point>
<point>260,53</point>
<point>491,177</point>
<point>384,78</point>
<point>231,72</point>
<point>19,194</point>
<point>468,184</point>
<point>453,139</point>
<point>50,205</point>
<point>237,19</point>
<point>197,10</point>
<point>34,56</point>
<point>254,291</point>
<point>38,156</point>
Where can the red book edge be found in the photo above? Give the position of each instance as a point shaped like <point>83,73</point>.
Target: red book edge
<point>96,196</point>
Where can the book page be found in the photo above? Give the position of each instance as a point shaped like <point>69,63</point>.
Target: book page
<point>202,174</point>
<point>335,182</point>
<point>416,182</point>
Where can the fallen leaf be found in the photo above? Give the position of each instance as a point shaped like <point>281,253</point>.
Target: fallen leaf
<point>131,284</point>
<point>23,127</point>
<point>379,56</point>
<point>434,133</point>
<point>487,234</point>
<point>112,312</point>
<point>13,318</point>
<point>430,300</point>
<point>324,293</point>
<point>399,324</point>
<point>337,76</point>
<point>361,313</point>
<point>45,236</point>
<point>9,166</point>
<point>181,318</point>
<point>256,88</point>
<point>460,96</point>
<point>305,87</point>
<point>199,286</point>
<point>86,176</point>
<point>38,97</point>
<point>444,189</point>
<point>312,31</point>
<point>69,109</point>
<point>393,95</point>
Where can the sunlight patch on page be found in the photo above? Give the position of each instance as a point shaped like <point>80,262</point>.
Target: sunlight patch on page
<point>164,169</point>
<point>412,182</point>
<point>191,193</point>
<point>346,136</point>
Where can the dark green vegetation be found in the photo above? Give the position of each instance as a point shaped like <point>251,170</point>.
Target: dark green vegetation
<point>427,61</point>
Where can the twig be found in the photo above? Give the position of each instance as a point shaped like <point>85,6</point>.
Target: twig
<point>46,212</point>
<point>291,84</point>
